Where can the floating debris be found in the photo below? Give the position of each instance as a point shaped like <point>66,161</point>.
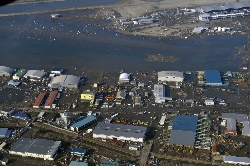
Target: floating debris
<point>161,58</point>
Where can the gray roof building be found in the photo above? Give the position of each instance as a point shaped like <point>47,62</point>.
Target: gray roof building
<point>6,71</point>
<point>39,148</point>
<point>86,122</point>
<point>231,124</point>
<point>66,81</point>
<point>182,137</point>
<point>239,117</point>
<point>236,160</point>
<point>77,163</point>
<point>170,76</point>
<point>227,6</point>
<point>34,75</point>
<point>246,128</point>
<point>4,133</point>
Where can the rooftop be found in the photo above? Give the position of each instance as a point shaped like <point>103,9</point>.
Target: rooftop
<point>51,98</point>
<point>34,73</point>
<point>231,124</point>
<point>57,69</point>
<point>185,123</point>
<point>39,99</point>
<point>182,137</point>
<point>238,117</point>
<point>221,7</point>
<point>79,150</point>
<point>171,73</point>
<point>213,76</point>
<point>21,72</point>
<point>246,128</point>
<point>234,159</point>
<point>124,76</point>
<point>69,79</point>
<point>84,121</point>
<point>76,163</point>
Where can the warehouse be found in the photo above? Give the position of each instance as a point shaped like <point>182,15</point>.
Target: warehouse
<point>170,76</point>
<point>6,71</point>
<point>34,75</point>
<point>223,7</point>
<point>65,81</point>
<point>184,130</point>
<point>19,74</point>
<point>50,99</point>
<point>120,132</point>
<point>246,128</point>
<point>57,71</point>
<point>38,101</point>
<point>236,160</point>
<point>160,94</point>
<point>37,148</point>
<point>213,78</point>
<point>124,78</point>
<point>5,133</point>
<point>240,118</point>
<point>231,126</point>
<point>84,123</point>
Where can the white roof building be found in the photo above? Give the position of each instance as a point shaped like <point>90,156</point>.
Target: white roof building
<point>66,81</point>
<point>124,78</point>
<point>246,128</point>
<point>159,93</point>
<point>170,76</point>
<point>6,71</point>
<point>34,75</point>
<point>236,160</point>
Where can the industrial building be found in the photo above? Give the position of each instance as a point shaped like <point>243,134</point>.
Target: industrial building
<point>124,78</point>
<point>19,74</point>
<point>88,96</point>
<point>6,71</point>
<point>34,75</point>
<point>57,71</point>
<point>84,123</point>
<point>77,163</point>
<point>184,130</point>
<point>213,78</point>
<point>38,101</point>
<point>170,76</point>
<point>160,94</point>
<point>231,126</point>
<point>236,160</point>
<point>50,100</point>
<point>65,81</point>
<point>109,163</point>
<point>120,132</point>
<point>224,7</point>
<point>246,128</point>
<point>5,133</point>
<point>37,148</point>
<point>240,118</point>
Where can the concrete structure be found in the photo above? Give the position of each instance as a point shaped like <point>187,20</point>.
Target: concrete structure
<point>79,151</point>
<point>109,163</point>
<point>87,95</point>
<point>160,93</point>
<point>65,81</point>
<point>236,160</point>
<point>231,126</point>
<point>37,148</point>
<point>184,130</point>
<point>19,74</point>
<point>124,78</point>
<point>84,123</point>
<point>38,101</point>
<point>57,71</point>
<point>6,71</point>
<point>120,132</point>
<point>34,75</point>
<point>51,99</point>
<point>209,102</point>
<point>246,128</point>
<point>77,163</point>
<point>213,78</point>
<point>170,76</point>
<point>5,133</point>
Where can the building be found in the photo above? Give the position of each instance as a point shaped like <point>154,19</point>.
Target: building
<point>236,160</point>
<point>41,114</point>
<point>88,95</point>
<point>246,128</point>
<point>6,71</point>
<point>65,81</point>
<point>109,163</point>
<point>34,75</point>
<point>162,120</point>
<point>170,76</point>
<point>19,115</point>
<point>215,149</point>
<point>77,163</point>
<point>79,151</point>
<point>7,112</point>
<point>213,78</point>
<point>120,132</point>
<point>19,74</point>
<point>13,83</point>
<point>5,132</point>
<point>204,17</point>
<point>184,130</point>
<point>37,148</point>
<point>124,78</point>
<point>133,147</point>
<point>84,123</point>
<point>51,99</point>
<point>231,126</point>
<point>138,100</point>
<point>57,71</point>
<point>160,93</point>
<point>121,95</point>
<point>39,100</point>
<point>240,118</point>
<point>224,7</point>
<point>209,102</point>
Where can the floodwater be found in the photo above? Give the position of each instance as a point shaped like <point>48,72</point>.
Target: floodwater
<point>39,42</point>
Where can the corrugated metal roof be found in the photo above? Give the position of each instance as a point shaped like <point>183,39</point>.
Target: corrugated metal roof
<point>221,7</point>
<point>185,123</point>
<point>39,99</point>
<point>238,117</point>
<point>69,79</point>
<point>159,90</point>
<point>3,132</point>
<point>84,122</point>
<point>170,73</point>
<point>231,124</point>
<point>246,128</point>
<point>213,76</point>
<point>76,163</point>
<point>236,160</point>
<point>51,98</point>
<point>182,137</point>
<point>34,74</point>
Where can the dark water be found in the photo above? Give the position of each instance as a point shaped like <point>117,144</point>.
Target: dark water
<point>41,6</point>
<point>38,42</point>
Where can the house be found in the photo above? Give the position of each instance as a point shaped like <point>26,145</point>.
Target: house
<point>160,93</point>
<point>170,76</point>
<point>79,151</point>
<point>231,126</point>
<point>204,17</point>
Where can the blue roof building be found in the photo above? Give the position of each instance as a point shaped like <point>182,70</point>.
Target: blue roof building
<point>183,130</point>
<point>213,78</point>
<point>79,151</point>
<point>19,115</point>
<point>109,163</point>
<point>76,163</point>
<point>84,123</point>
<point>57,70</point>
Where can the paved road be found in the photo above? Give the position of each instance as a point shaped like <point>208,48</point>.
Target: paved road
<point>145,152</point>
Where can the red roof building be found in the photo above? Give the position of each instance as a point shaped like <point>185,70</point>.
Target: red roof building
<point>51,99</point>
<point>39,99</point>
